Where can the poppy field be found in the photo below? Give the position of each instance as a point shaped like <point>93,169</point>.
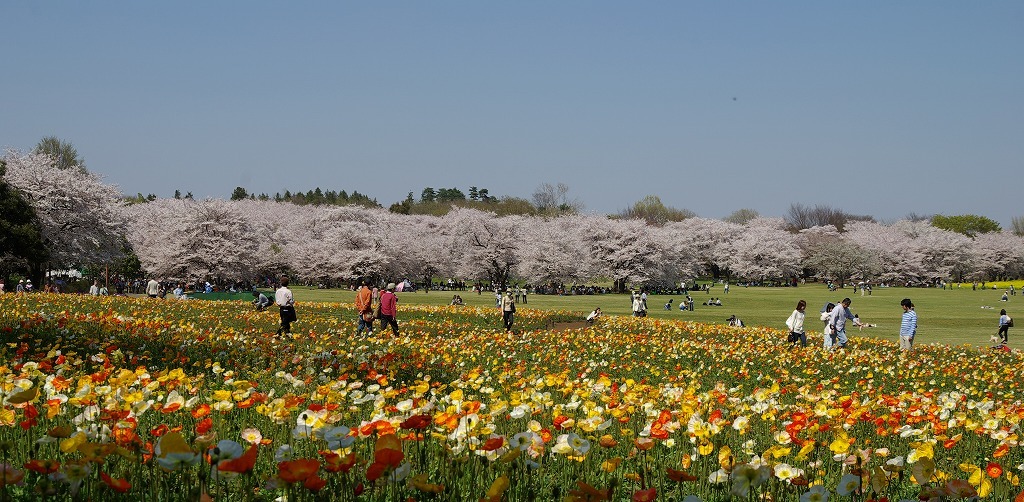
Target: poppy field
<point>108,398</point>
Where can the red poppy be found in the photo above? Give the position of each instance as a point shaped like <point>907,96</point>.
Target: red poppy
<point>416,422</point>
<point>375,471</point>
<point>118,485</point>
<point>43,467</point>
<point>244,463</point>
<point>204,426</point>
<point>645,495</point>
<point>314,483</point>
<point>493,443</point>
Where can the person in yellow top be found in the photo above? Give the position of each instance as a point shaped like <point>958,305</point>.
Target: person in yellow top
<point>364,308</point>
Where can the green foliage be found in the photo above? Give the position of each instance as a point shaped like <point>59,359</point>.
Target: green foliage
<point>64,154</point>
<point>319,197</point>
<point>21,243</point>
<point>655,212</point>
<point>741,216</point>
<point>142,199</point>
<point>239,194</point>
<point>450,195</point>
<point>967,224</point>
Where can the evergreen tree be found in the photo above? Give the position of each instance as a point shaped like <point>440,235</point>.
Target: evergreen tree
<point>21,243</point>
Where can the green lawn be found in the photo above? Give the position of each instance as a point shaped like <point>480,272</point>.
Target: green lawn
<point>951,316</point>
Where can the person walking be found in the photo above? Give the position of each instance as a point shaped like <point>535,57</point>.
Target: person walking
<point>152,288</point>
<point>508,310</point>
<point>795,323</point>
<point>286,302</point>
<point>908,325</point>
<point>638,306</point>
<point>389,309</point>
<point>1005,323</point>
<point>364,308</point>
<point>837,320</point>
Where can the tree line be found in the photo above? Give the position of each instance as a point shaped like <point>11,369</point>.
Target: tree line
<point>58,215</point>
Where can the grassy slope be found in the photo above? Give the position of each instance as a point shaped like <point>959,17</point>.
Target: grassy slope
<point>950,316</point>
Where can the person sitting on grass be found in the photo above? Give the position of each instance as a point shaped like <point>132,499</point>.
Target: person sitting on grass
<point>260,301</point>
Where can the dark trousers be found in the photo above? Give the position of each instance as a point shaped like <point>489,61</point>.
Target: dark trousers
<point>507,318</point>
<point>386,320</point>
<point>287,318</point>
<point>1004,333</point>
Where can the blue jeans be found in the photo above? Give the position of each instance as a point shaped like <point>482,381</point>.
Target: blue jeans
<point>841,338</point>
<point>363,323</point>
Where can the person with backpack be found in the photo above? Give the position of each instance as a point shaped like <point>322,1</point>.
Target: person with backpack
<point>1005,323</point>
<point>364,308</point>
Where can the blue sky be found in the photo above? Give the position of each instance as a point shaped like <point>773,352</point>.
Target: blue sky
<point>879,108</point>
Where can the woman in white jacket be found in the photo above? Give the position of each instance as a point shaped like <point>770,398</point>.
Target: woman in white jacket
<point>795,323</point>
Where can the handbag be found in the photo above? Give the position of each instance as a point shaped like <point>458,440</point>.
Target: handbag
<point>368,316</point>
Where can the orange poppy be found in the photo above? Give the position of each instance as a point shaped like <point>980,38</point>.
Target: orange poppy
<point>339,463</point>
<point>201,411</point>
<point>587,493</point>
<point>993,470</point>
<point>679,476</point>
<point>291,471</point>
<point>244,463</point>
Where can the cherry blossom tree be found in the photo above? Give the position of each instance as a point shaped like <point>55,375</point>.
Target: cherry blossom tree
<point>557,249</point>
<point>700,245</point>
<point>624,250</point>
<point>998,254</point>
<point>763,250</point>
<point>194,240</point>
<point>482,245</point>
<point>839,260</point>
<point>78,215</point>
